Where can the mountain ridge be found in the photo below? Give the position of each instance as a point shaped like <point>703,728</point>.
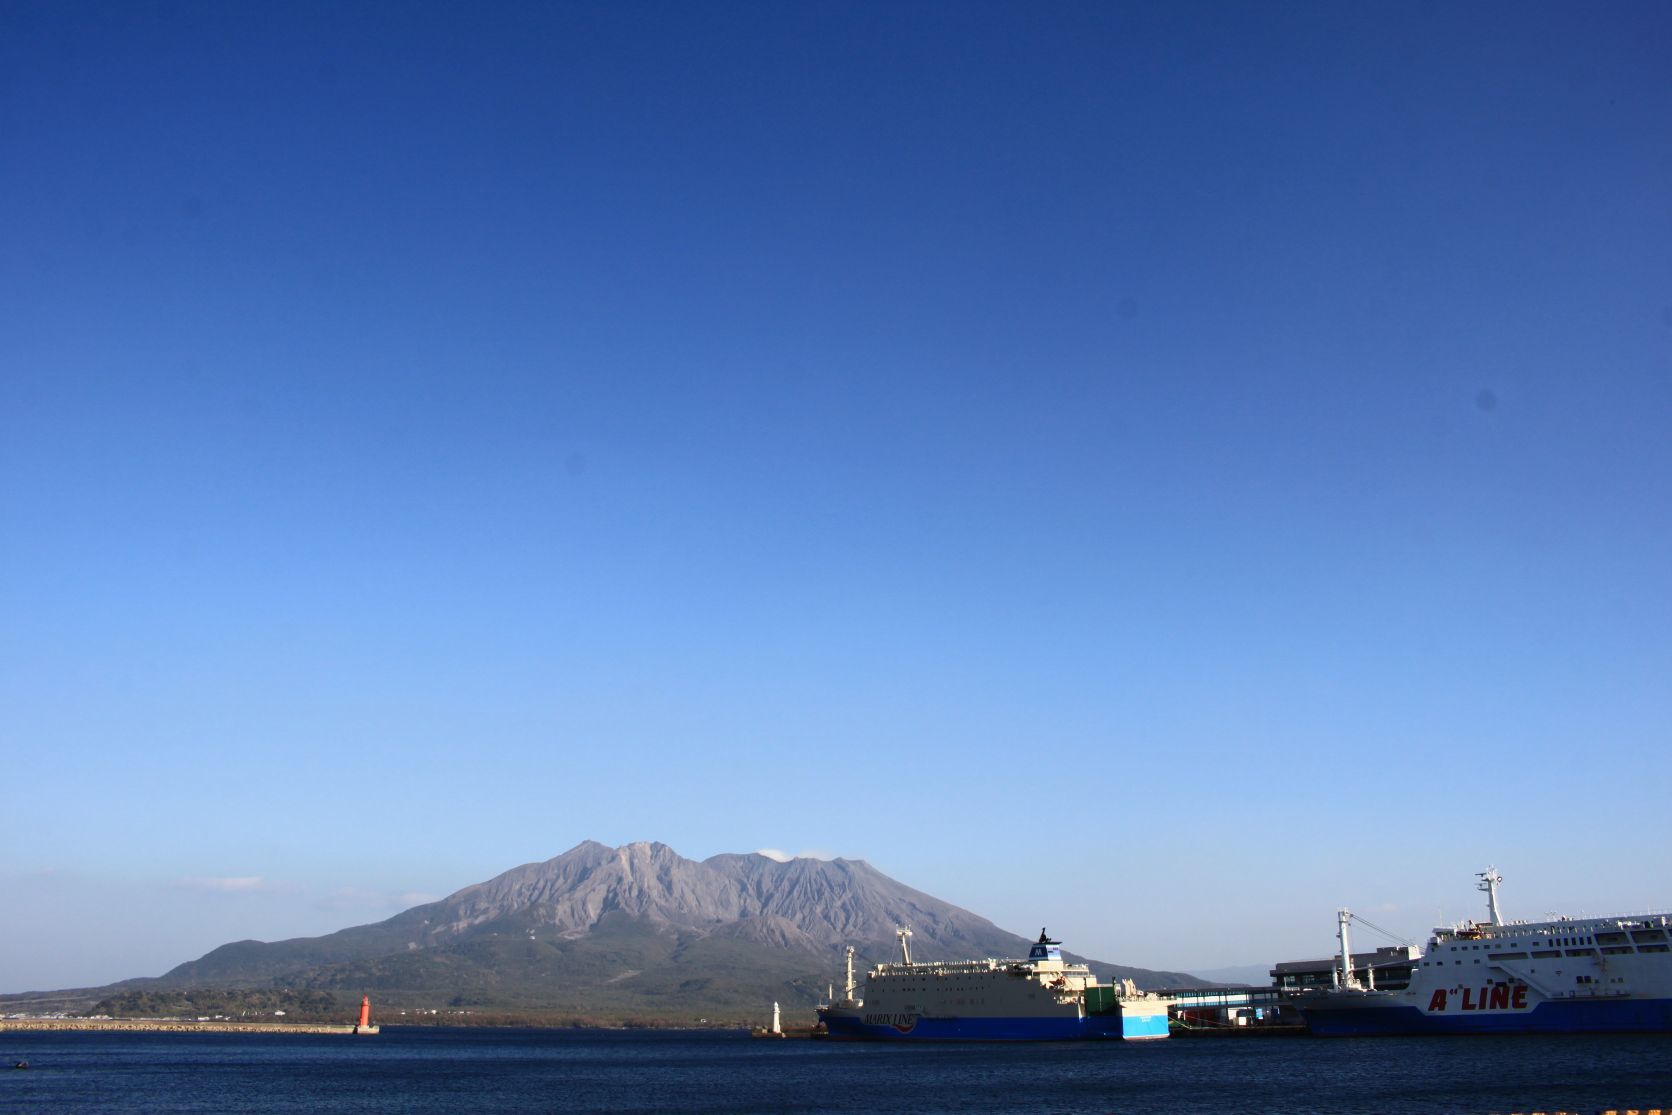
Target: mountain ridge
<point>633,930</point>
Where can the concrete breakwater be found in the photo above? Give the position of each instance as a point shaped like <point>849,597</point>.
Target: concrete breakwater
<point>180,1025</point>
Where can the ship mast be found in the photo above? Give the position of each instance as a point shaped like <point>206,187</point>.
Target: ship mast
<point>847,987</point>
<point>905,949</point>
<point>1344,977</point>
<point>1489,880</point>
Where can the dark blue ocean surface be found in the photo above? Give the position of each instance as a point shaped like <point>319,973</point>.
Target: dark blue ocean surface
<point>481,1070</point>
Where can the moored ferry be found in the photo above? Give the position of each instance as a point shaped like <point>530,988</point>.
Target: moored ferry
<point>1042,998</point>
<point>1560,975</point>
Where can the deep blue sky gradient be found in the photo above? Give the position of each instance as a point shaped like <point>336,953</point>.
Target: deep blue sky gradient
<point>1165,471</point>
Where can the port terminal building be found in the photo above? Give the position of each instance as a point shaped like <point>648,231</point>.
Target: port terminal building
<point>1222,1007</point>
<point>1388,968</point>
<point>1217,1007</point>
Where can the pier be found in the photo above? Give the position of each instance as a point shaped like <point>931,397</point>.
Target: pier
<point>65,1022</point>
<point>1231,1011</point>
<point>179,1026</point>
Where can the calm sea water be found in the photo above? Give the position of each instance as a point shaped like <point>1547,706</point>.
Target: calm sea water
<point>433,1070</point>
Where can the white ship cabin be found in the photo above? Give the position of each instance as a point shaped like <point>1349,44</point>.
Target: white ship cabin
<point>1547,940</point>
<point>1539,940</point>
<point>1044,963</point>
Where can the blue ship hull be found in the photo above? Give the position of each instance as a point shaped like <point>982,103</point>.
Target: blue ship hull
<point>1597,1016</point>
<point>1096,1027</point>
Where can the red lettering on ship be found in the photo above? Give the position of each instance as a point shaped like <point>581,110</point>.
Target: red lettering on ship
<point>1438,1002</point>
<point>1497,996</point>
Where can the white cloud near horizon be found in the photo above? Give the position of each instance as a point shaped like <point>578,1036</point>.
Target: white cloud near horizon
<point>784,857</point>
<point>357,898</point>
<point>225,884</point>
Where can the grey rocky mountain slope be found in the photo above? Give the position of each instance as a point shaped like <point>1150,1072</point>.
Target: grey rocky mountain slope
<point>632,928</point>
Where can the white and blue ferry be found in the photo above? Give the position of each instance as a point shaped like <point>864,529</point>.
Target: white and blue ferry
<point>1560,975</point>
<point>1042,998</point>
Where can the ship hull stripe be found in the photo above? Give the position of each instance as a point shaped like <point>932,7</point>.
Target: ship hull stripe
<point>980,1029</point>
<point>1619,1016</point>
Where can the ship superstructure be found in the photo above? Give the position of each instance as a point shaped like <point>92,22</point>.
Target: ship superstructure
<point>1559,975</point>
<point>1041,998</point>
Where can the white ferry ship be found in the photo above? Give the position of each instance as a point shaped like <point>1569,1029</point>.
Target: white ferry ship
<point>1042,998</point>
<point>1565,975</point>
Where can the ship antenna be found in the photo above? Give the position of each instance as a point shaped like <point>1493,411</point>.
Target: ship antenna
<point>905,949</point>
<point>1489,880</point>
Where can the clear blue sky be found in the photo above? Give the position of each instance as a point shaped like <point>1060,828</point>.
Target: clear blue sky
<point>1159,471</point>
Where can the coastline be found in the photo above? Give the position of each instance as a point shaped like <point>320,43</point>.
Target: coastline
<point>179,1025</point>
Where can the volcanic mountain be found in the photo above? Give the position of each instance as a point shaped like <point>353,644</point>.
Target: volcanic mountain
<point>636,931</point>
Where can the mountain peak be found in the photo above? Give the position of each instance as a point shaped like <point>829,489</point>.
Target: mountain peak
<point>638,927</point>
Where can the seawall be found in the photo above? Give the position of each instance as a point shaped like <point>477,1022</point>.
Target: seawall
<point>177,1025</point>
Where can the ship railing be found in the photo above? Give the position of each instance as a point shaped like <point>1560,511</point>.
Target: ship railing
<point>1656,919</point>
<point>954,967</point>
<point>1592,993</point>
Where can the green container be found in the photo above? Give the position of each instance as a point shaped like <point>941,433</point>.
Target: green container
<point>1101,1000</point>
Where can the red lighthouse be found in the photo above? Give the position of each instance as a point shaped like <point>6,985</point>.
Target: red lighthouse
<point>365,1012</point>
